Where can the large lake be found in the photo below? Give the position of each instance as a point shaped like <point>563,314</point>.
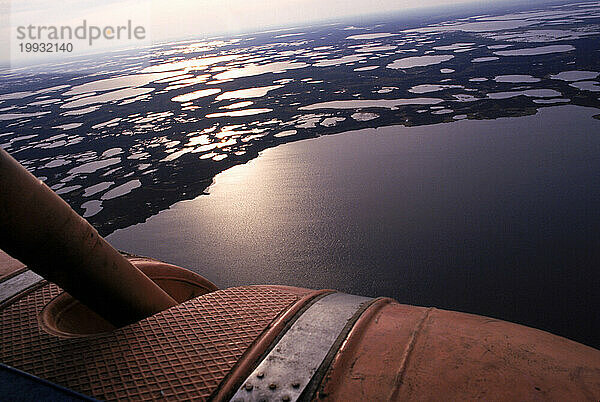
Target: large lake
<point>496,217</point>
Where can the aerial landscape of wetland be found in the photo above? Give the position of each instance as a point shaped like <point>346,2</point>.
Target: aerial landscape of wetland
<point>447,158</point>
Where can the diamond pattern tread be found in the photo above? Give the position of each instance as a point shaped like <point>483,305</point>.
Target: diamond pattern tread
<point>181,353</point>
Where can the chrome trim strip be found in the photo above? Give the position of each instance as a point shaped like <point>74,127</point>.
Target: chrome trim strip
<point>288,368</point>
<point>15,285</point>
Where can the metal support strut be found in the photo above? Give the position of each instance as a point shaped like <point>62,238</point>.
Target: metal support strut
<point>41,230</point>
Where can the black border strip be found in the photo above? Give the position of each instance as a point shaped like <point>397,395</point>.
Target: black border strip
<point>36,387</point>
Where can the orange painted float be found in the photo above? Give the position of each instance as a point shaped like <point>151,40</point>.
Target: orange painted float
<point>82,321</point>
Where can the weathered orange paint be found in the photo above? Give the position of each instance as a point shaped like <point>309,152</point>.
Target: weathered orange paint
<point>66,317</point>
<point>400,352</point>
<point>179,283</point>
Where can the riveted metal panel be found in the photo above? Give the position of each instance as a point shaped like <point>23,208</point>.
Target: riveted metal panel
<point>287,370</point>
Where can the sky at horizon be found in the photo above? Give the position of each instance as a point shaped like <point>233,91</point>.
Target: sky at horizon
<point>165,20</point>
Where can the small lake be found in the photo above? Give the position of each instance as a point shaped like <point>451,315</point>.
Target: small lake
<point>496,217</point>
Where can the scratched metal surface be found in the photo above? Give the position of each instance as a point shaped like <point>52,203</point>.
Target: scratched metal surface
<point>287,370</point>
